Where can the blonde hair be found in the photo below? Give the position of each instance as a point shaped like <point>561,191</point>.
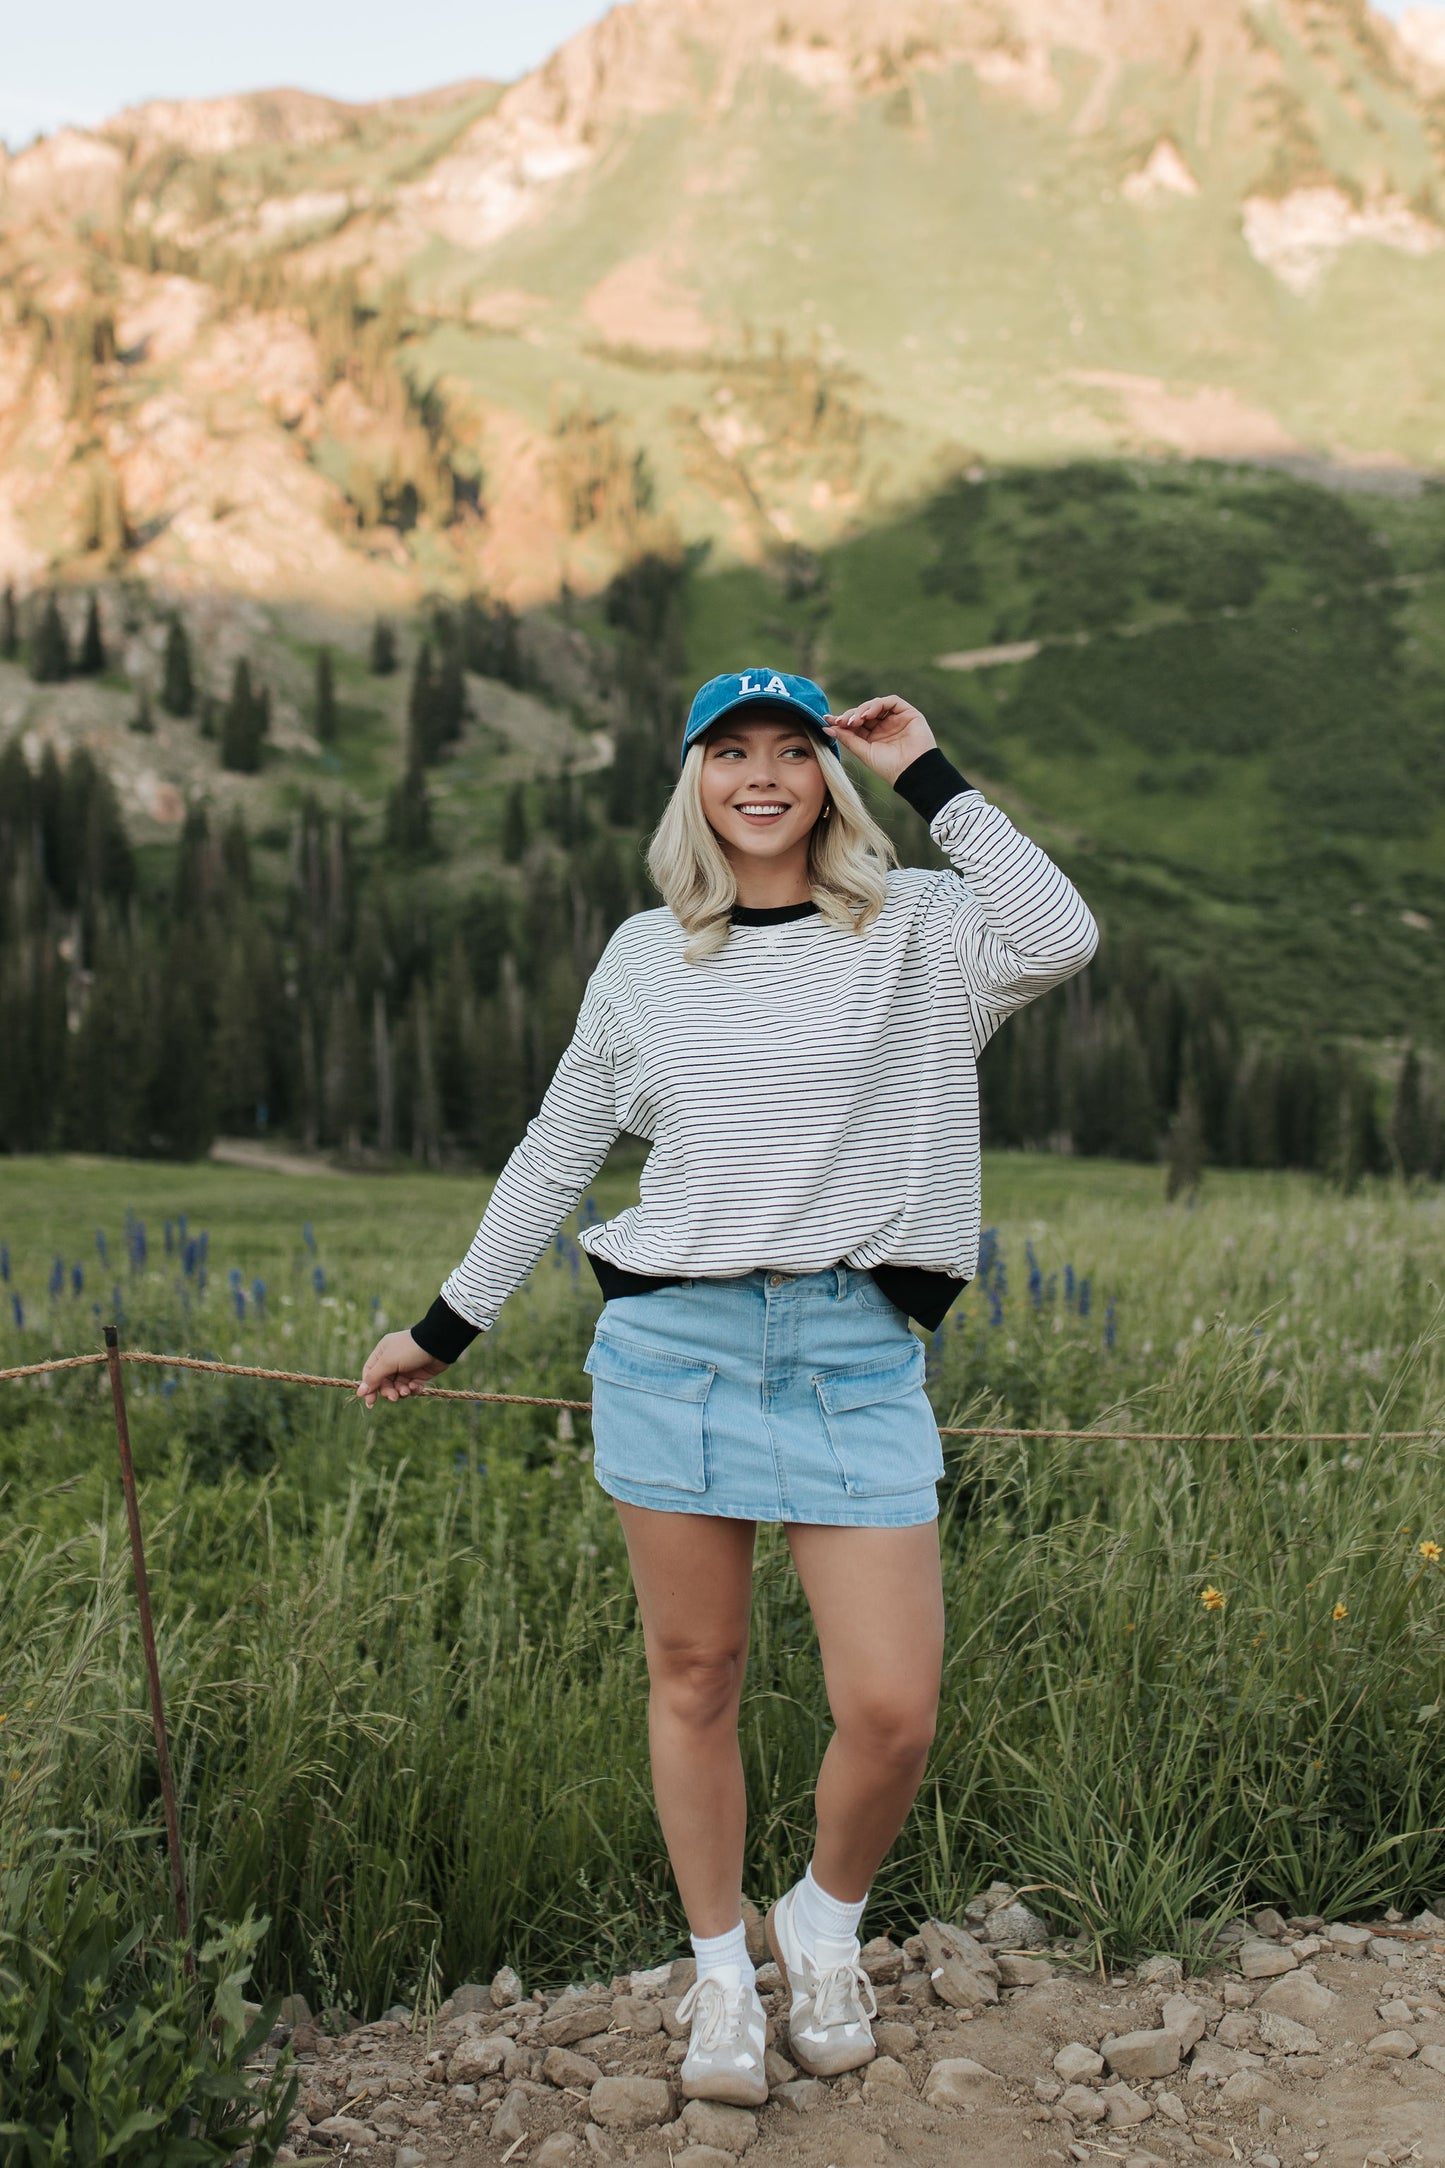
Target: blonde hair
<point>849,855</point>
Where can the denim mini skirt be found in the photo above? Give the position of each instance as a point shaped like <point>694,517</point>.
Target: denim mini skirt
<point>768,1396</point>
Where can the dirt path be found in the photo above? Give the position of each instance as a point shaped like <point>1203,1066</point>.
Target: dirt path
<point>1356,2076</point>
<point>267,1158</point>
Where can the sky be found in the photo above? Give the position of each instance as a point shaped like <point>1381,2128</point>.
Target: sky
<point>80,63</point>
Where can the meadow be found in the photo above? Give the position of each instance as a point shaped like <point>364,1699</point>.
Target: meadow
<point>404,1673</point>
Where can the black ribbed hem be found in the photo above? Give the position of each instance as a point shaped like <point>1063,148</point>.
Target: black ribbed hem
<point>919,1293</point>
<point>615,1280</point>
<point>442,1334</point>
<point>930,781</point>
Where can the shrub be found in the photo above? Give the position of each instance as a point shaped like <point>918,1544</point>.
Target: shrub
<point>108,2052</point>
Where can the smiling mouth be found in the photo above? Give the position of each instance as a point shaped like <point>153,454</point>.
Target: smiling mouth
<point>762,810</point>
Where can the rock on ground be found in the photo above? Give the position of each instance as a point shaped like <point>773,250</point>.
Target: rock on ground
<point>554,2152</point>
<point>955,2082</point>
<point>1300,1996</point>
<point>1150,2054</point>
<point>1259,1960</point>
<point>1074,2060</point>
<point>714,2123</point>
<point>630,2103</point>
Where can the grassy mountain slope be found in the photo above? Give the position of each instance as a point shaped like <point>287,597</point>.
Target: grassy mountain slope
<point>760,274</point>
<point>1231,730</point>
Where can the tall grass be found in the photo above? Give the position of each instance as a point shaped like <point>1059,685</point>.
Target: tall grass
<point>406,1680</point>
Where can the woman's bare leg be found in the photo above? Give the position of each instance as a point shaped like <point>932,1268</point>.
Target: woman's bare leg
<point>876,1596</point>
<point>693,1573</point>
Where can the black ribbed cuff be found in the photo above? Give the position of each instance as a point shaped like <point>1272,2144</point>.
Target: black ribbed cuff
<point>930,781</point>
<point>442,1334</point>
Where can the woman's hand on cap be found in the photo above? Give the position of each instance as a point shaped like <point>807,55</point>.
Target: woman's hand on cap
<point>886,734</point>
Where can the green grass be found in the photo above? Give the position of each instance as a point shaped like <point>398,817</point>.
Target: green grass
<point>404,1670</point>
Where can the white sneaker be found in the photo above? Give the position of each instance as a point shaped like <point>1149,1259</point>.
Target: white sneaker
<point>830,2004</point>
<point>724,2059</point>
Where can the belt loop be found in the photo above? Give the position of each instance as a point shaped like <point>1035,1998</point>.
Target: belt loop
<point>842,1272</point>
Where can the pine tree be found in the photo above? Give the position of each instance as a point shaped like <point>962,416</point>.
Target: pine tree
<point>1409,1138</point>
<point>326,717</point>
<point>178,686</point>
<point>383,649</point>
<point>383,1067</point>
<point>242,724</point>
<point>9,626</point>
<point>1185,1149</point>
<point>514,825</point>
<point>502,1082</point>
<point>425,1100</point>
<point>182,1093</point>
<point>206,721</point>
<point>421,711</point>
<point>408,814</point>
<point>236,860</point>
<point>450,697</point>
<point>239,1046</point>
<point>142,719</point>
<point>49,648</point>
<point>343,1072</point>
<point>92,646</point>
<point>508,663</point>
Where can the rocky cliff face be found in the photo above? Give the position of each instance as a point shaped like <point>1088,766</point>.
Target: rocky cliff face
<point>747,273</point>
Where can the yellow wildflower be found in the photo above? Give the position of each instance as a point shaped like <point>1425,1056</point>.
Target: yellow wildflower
<point>1340,1611</point>
<point>1213,1599</point>
<point>1430,1551</point>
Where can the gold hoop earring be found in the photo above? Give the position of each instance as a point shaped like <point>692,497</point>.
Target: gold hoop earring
<point>826,811</point>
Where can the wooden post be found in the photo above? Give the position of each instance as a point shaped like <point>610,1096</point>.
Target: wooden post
<point>148,1639</point>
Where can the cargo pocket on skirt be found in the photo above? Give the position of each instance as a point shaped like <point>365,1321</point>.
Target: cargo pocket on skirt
<point>881,1427</point>
<point>649,1414</point>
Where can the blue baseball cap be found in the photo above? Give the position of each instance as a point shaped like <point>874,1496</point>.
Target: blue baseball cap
<point>758,688</point>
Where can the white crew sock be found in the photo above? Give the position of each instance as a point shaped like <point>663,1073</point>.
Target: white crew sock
<point>827,1926</point>
<point>725,1957</point>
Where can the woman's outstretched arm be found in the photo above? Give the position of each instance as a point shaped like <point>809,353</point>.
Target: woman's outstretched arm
<point>560,1151</point>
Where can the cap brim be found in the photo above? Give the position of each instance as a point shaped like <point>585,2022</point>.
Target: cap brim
<point>766,700</point>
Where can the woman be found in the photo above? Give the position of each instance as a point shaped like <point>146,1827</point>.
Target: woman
<point>795,1031</point>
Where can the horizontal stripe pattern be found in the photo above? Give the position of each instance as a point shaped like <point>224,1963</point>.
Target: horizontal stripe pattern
<point>810,1095</point>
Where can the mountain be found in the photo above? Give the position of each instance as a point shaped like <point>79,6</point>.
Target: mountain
<point>1070,365</point>
<point>759,271</point>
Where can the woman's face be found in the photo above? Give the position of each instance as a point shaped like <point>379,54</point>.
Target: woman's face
<point>753,760</point>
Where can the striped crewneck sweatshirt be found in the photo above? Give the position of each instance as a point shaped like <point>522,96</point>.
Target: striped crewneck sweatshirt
<point>810,1095</point>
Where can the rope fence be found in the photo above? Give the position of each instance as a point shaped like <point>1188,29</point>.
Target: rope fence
<point>542,1400</point>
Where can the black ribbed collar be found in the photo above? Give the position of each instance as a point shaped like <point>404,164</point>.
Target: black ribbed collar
<point>772,914</point>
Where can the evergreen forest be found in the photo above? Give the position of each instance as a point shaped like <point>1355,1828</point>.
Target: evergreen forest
<point>1210,650</point>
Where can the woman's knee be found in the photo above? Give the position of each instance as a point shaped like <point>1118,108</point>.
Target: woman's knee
<point>897,1728</point>
<point>697,1684</point>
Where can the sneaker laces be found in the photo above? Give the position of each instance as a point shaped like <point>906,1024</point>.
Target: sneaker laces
<point>836,1998</point>
<point>721,2012</point>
